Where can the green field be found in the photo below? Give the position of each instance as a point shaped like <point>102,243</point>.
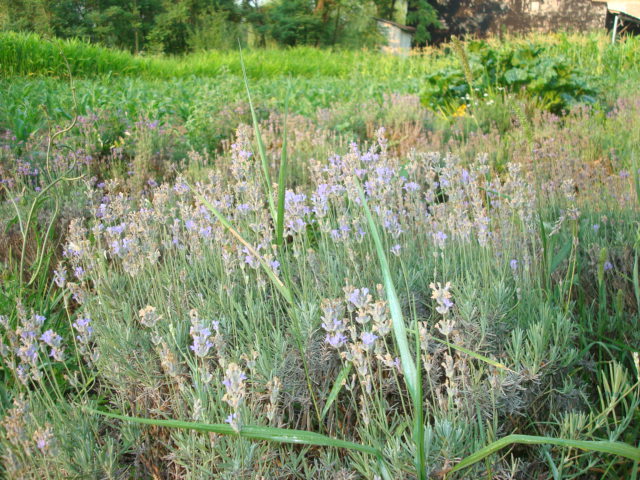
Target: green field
<point>382,267</point>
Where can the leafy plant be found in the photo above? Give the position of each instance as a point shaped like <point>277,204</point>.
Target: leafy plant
<point>527,70</point>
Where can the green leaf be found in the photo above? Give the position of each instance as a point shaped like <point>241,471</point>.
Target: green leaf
<point>614,448</point>
<point>281,287</point>
<point>261,149</point>
<point>335,390</point>
<point>559,257</point>
<point>411,373</point>
<point>397,319</point>
<point>282,177</point>
<point>253,432</point>
<point>473,354</point>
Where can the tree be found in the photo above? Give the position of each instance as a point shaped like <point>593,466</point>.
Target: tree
<point>423,16</point>
<point>294,22</point>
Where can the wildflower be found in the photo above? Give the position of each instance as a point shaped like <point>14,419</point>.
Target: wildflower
<point>43,439</point>
<point>78,272</point>
<point>336,340</point>
<point>275,266</point>
<point>358,297</point>
<point>445,327</point>
<point>231,419</point>
<point>168,360</point>
<point>60,276</point>
<point>273,387</point>
<point>513,264</point>
<point>84,329</point>
<point>368,338</point>
<point>148,316</point>
<point>54,341</point>
<point>607,266</point>
<point>235,392</point>
<point>379,314</point>
<point>395,249</point>
<point>411,186</point>
<point>442,296</point>
<point>439,239</point>
<point>200,334</point>
<point>596,227</point>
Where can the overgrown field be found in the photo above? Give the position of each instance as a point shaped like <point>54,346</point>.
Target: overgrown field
<point>388,268</point>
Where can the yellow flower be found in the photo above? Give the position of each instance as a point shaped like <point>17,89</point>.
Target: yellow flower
<point>461,111</point>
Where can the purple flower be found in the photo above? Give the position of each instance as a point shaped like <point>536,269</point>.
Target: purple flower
<point>608,266</point>
<point>60,277</point>
<point>336,340</point>
<point>243,207</point>
<point>206,232</point>
<point>368,338</point>
<point>78,272</point>
<point>84,328</point>
<point>57,354</point>
<point>513,264</point>
<point>595,227</point>
<point>395,249</point>
<point>51,338</point>
<point>275,265</point>
<point>201,335</point>
<point>411,187</point>
<point>359,297</point>
<point>333,326</point>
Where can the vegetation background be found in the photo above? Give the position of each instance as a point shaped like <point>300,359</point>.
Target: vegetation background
<point>361,266</point>
<point>164,26</point>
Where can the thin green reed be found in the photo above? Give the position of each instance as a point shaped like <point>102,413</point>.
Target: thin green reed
<point>282,177</point>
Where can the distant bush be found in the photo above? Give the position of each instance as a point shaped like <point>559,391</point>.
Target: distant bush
<point>527,69</point>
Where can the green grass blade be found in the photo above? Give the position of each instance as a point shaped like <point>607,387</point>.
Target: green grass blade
<point>615,448</point>
<point>252,432</point>
<point>335,390</point>
<point>636,175</point>
<point>261,149</point>
<point>280,286</point>
<point>473,354</point>
<point>636,278</point>
<point>282,178</point>
<point>411,374</point>
<point>399,329</point>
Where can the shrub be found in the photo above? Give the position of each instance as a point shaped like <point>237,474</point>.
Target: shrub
<point>529,70</point>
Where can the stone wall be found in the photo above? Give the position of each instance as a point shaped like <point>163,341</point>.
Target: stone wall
<point>553,15</point>
<point>482,17</point>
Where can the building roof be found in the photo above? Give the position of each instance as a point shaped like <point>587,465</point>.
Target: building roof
<point>404,28</point>
<point>628,8</point>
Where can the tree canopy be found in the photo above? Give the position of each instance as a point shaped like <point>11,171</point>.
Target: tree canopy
<point>179,26</point>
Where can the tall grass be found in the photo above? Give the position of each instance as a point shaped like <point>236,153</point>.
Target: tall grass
<point>30,55</point>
